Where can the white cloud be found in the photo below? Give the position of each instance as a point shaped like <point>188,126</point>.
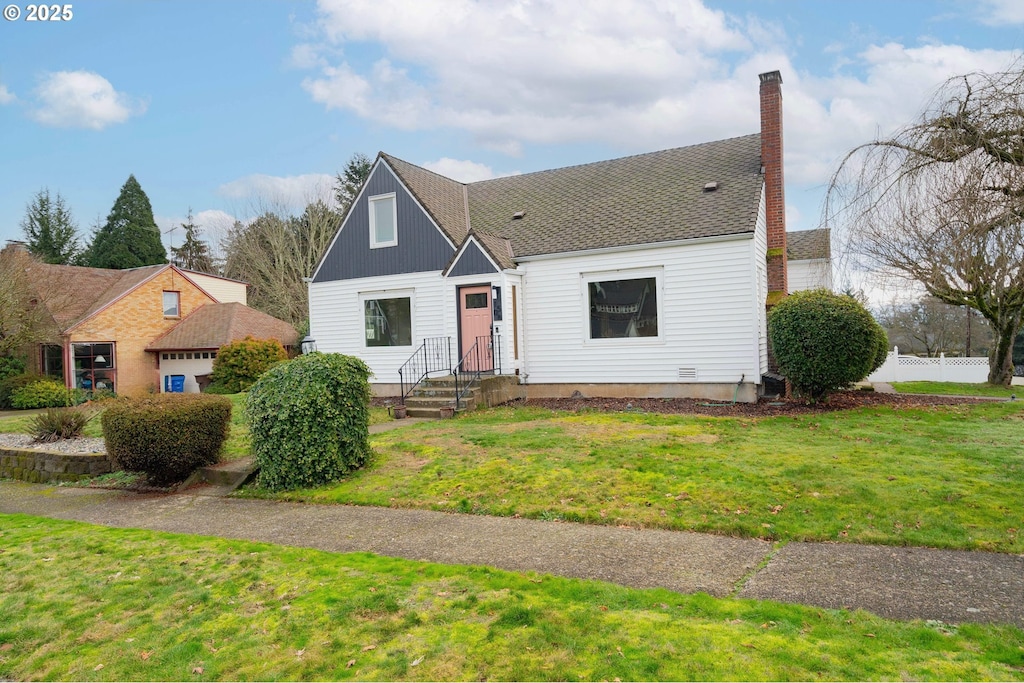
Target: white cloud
<point>545,72</point>
<point>464,171</point>
<point>6,96</point>
<point>287,194</point>
<point>82,99</point>
<point>1002,12</point>
<point>634,76</point>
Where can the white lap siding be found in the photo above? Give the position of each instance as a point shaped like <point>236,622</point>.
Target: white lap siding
<point>708,318</point>
<point>337,322</point>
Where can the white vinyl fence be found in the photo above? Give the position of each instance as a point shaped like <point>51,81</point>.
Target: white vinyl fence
<point>899,368</point>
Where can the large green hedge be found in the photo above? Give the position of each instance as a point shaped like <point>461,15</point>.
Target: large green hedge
<point>824,342</point>
<point>167,436</point>
<point>309,420</point>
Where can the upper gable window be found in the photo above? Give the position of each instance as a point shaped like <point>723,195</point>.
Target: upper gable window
<point>383,221</point>
<point>172,304</point>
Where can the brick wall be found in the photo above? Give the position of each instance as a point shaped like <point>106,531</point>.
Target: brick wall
<point>774,180</point>
<point>134,322</point>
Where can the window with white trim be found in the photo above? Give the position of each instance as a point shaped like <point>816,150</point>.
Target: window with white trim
<point>623,306</point>
<point>383,221</point>
<point>388,321</point>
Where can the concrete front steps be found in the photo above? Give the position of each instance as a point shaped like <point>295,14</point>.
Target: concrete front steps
<point>434,394</point>
<point>220,479</point>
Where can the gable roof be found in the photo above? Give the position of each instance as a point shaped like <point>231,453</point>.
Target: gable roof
<point>804,245</point>
<point>214,325</point>
<point>641,199</point>
<point>443,198</point>
<point>73,294</point>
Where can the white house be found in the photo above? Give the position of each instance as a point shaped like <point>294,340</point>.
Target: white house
<point>647,275</point>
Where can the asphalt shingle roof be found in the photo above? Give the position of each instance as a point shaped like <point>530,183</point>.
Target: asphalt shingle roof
<point>641,199</point>
<point>213,325</point>
<point>74,293</point>
<point>803,245</point>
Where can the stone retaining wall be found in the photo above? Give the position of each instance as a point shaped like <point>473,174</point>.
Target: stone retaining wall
<point>44,466</point>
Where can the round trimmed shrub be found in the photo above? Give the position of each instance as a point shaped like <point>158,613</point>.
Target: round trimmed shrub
<point>239,364</point>
<point>166,436</point>
<point>824,342</point>
<point>43,393</point>
<point>309,420</point>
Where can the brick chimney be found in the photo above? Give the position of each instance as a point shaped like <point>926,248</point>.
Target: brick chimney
<point>774,185</point>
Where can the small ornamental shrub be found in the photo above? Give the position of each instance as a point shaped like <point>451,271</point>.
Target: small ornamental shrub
<point>309,420</point>
<point>43,393</point>
<point>60,423</point>
<point>10,366</point>
<point>166,436</point>
<point>239,364</point>
<point>824,342</point>
<point>11,384</point>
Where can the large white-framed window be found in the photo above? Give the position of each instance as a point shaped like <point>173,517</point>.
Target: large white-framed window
<point>623,306</point>
<point>387,318</point>
<point>383,221</point>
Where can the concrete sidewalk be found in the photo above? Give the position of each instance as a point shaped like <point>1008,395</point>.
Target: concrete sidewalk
<point>899,583</point>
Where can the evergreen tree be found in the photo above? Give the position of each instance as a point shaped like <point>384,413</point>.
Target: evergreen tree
<point>50,231</point>
<point>130,237</point>
<point>194,253</point>
<point>357,170</point>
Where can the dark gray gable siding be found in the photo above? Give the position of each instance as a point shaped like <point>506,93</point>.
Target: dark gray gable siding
<point>472,261</point>
<point>421,246</point>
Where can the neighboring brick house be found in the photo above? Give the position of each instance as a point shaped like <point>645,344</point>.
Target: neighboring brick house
<point>104,321</point>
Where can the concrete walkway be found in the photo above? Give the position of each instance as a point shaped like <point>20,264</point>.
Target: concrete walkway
<point>900,583</point>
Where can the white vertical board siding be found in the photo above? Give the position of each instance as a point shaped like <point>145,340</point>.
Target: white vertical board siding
<point>810,274</point>
<point>337,324</point>
<point>706,290</point>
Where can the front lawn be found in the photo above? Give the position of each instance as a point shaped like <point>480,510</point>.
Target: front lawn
<point>80,602</point>
<point>947,477</point>
<point>956,389</point>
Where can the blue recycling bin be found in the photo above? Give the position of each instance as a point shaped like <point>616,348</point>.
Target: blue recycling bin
<point>174,384</point>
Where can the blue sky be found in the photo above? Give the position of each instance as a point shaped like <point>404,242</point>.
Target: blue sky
<point>229,107</point>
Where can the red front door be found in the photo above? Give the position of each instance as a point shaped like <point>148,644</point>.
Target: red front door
<point>475,328</point>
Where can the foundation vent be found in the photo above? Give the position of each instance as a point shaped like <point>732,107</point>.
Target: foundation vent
<point>688,374</point>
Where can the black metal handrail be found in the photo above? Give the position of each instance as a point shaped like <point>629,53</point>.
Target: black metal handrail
<point>480,358</point>
<point>434,355</point>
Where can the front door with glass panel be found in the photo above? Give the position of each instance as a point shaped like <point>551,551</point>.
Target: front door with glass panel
<point>475,328</point>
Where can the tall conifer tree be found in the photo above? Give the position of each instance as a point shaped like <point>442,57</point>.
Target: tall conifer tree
<point>50,231</point>
<point>130,237</point>
<point>194,253</point>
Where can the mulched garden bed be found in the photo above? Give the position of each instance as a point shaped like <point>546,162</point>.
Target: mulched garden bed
<point>843,400</point>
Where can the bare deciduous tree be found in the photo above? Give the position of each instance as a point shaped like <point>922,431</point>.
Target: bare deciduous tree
<point>941,202</point>
<point>24,319</point>
<point>275,254</point>
<point>929,327</point>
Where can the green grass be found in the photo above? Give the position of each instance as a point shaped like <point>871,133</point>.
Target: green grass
<point>80,602</point>
<point>957,389</point>
<point>948,477</point>
<point>19,424</point>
